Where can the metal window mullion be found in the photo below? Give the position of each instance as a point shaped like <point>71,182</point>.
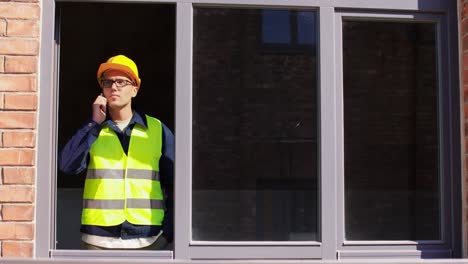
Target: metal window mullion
<point>45,203</point>
<point>183,135</point>
<point>328,134</point>
<point>340,193</point>
<point>114,256</point>
<point>456,132</point>
<point>261,251</point>
<point>443,125</point>
<point>123,1</point>
<point>404,5</point>
<point>448,115</point>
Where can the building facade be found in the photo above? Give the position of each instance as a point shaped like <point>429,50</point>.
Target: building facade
<point>305,129</point>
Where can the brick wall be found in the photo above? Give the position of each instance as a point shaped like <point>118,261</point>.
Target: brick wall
<point>19,50</point>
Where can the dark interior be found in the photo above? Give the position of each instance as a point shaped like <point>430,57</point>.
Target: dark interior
<point>88,34</point>
<point>143,32</point>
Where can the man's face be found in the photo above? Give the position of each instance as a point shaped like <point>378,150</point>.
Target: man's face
<point>118,97</point>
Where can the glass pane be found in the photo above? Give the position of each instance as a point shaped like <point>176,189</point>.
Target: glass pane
<point>390,131</point>
<point>276,26</point>
<point>254,144</point>
<point>306,27</point>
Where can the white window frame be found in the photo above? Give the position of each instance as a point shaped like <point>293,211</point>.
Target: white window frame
<point>332,245</point>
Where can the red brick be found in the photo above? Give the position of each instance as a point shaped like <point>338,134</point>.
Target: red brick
<point>16,157</point>
<point>465,76</point>
<point>464,27</point>
<point>3,27</point>
<point>465,10</point>
<point>466,199</point>
<point>466,161</point>
<point>465,93</point>
<point>27,1</point>
<point>18,139</point>
<point>16,231</point>
<point>20,64</point>
<point>1,101</point>
<point>2,63</point>
<point>19,46</point>
<point>17,249</point>
<point>17,212</point>
<point>19,10</point>
<point>20,102</point>
<point>466,113</point>
<point>16,194</point>
<point>13,175</point>
<point>465,42</point>
<point>17,120</point>
<point>17,83</point>
<point>465,62</point>
<point>22,28</point>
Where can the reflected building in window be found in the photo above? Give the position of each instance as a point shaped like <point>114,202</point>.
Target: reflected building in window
<point>254,125</point>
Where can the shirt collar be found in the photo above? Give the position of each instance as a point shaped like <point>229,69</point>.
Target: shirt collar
<point>137,118</point>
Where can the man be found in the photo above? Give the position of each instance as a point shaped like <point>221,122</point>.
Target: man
<point>128,157</point>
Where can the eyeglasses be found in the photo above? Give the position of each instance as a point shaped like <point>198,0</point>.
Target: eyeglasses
<point>119,83</point>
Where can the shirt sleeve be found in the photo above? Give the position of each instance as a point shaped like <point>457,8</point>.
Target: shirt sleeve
<point>73,158</point>
<point>166,170</point>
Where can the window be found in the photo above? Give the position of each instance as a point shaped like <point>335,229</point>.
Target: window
<point>303,130</point>
<point>83,46</point>
<point>283,28</point>
<point>254,166</point>
<point>392,182</point>
<point>393,166</point>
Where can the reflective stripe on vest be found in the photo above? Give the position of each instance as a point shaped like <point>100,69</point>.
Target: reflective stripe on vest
<point>119,174</point>
<point>121,187</point>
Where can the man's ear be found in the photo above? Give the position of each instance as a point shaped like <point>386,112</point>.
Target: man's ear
<point>135,90</point>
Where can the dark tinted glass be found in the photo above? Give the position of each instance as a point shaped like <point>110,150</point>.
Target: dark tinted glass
<point>254,131</point>
<point>390,131</point>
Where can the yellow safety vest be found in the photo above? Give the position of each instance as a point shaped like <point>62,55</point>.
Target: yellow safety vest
<point>121,187</point>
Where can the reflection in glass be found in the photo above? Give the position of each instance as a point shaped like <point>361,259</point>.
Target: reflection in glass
<point>254,168</point>
<point>390,131</point>
<point>276,26</point>
<point>305,27</point>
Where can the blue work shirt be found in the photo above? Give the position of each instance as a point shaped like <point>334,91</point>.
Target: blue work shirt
<point>74,159</point>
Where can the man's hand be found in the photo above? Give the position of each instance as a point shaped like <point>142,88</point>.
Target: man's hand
<point>99,109</point>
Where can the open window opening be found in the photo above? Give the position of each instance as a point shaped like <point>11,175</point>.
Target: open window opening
<point>143,32</point>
